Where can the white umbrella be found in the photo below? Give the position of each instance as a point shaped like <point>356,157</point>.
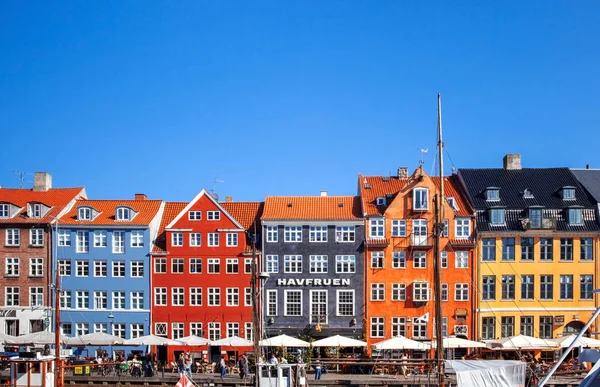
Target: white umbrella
<point>232,341</point>
<point>400,342</point>
<point>37,338</point>
<point>456,342</point>
<point>6,338</point>
<point>565,342</point>
<point>193,340</point>
<point>96,338</point>
<point>283,341</point>
<point>521,342</point>
<point>338,341</point>
<point>150,340</point>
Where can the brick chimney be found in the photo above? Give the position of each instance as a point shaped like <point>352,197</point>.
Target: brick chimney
<point>141,197</point>
<point>512,161</point>
<point>42,181</point>
<point>228,199</point>
<point>403,173</point>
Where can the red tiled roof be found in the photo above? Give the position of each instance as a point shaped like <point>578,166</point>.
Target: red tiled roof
<point>146,210</point>
<point>246,213</point>
<point>172,209</point>
<point>56,198</point>
<point>312,208</point>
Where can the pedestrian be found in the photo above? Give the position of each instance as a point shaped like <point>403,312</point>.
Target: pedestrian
<point>223,367</point>
<point>318,369</point>
<point>404,365</point>
<point>243,365</point>
<point>181,364</point>
<point>188,364</point>
<point>273,360</point>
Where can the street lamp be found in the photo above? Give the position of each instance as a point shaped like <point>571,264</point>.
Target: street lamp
<point>111,318</point>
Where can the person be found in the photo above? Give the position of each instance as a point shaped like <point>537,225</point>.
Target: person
<point>223,367</point>
<point>188,364</point>
<point>273,360</point>
<point>181,364</point>
<point>404,365</point>
<point>243,365</point>
<point>261,360</point>
<point>318,369</point>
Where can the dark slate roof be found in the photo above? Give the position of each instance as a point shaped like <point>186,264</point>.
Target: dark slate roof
<point>590,179</point>
<point>544,183</point>
<point>513,221</point>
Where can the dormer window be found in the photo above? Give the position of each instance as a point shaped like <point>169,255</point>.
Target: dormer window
<point>123,214</point>
<point>4,210</point>
<point>492,193</point>
<point>34,210</point>
<point>380,201</point>
<point>497,216</point>
<point>575,216</point>
<point>84,213</point>
<point>535,218</point>
<point>452,202</point>
<point>568,193</point>
<point>527,194</point>
<point>420,199</point>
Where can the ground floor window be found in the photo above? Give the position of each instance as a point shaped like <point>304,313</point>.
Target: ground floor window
<point>377,326</point>
<point>488,328</point>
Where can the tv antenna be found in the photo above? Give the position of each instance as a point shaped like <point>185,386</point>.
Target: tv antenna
<point>423,151</point>
<point>212,191</point>
<point>21,177</point>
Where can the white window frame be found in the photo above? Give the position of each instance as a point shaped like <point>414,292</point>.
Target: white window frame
<point>463,228</point>
<point>136,269</point>
<point>322,319</point>
<point>195,296</point>
<point>115,268</point>
<point>36,267</point>
<point>12,267</point>
<point>292,234</point>
<point>232,297</point>
<point>214,297</point>
<point>123,214</point>
<point>100,239</point>
<point>195,265</point>
<point>212,264</point>
<point>160,263</point>
<point>100,268</point>
<point>232,239</point>
<point>272,262</point>
<point>317,234</point>
<point>100,299</point>
<point>160,297</point>
<point>82,242</point>
<point>461,292</point>
<point>64,238</point>
<point>136,300</point>
<point>136,239</point>
<point>461,259</point>
<point>421,291</point>
<point>213,215</point>
<point>377,292</point>
<point>213,239</point>
<point>399,227</point>
<point>271,299</point>
<point>338,303</point>
<point>194,215</point>
<point>234,264</point>
<point>82,268</point>
<point>177,296</point>
<point>292,263</point>
<point>36,296</point>
<point>377,228</point>
<point>36,237</point>
<point>195,239</point>
<point>286,294</point>
<point>347,263</point>
<point>319,264</point>
<point>420,199</point>
<point>398,292</point>
<point>84,213</point>
<point>345,234</point>
<point>117,296</point>
<point>377,327</point>
<point>419,259</point>
<point>377,260</point>
<point>272,233</point>
<point>176,239</point>
<point>398,259</point>
<point>118,242</point>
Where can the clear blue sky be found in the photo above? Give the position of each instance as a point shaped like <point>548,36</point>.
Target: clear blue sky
<point>289,97</point>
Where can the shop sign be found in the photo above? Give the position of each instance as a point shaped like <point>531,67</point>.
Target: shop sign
<point>313,282</point>
<point>559,320</point>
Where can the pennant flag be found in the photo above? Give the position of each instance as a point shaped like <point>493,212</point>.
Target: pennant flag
<point>184,382</point>
<point>423,318</point>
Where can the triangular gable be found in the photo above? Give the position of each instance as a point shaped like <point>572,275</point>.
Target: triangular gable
<point>194,200</point>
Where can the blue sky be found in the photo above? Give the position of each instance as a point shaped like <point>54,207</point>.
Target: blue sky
<point>289,97</point>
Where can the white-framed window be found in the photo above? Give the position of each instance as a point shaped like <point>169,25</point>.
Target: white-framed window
<point>214,265</point>
<point>82,329</point>
<point>398,292</point>
<point>137,238</point>
<point>84,213</point>
<point>196,329</point>
<point>345,303</point>
<point>36,237</point>
<point>398,326</point>
<point>195,215</point>
<point>377,228</point>
<point>420,291</point>
<point>195,239</point>
<point>420,199</point>
<point>118,269</point>
<point>12,267</point>
<point>292,264</point>
<point>196,265</point>
<point>83,269</point>
<point>83,242</point>
<point>292,233</point>
<point>378,292</point>
<point>64,267</point>
<point>233,296</point>
<point>272,263</point>
<point>136,330</point>
<point>248,334</point>
<point>35,210</point>
<point>419,259</point>
<point>497,216</point>
<point>492,194</point>
<point>100,328</point>
<point>463,228</point>
<point>64,238</point>
<point>399,228</point>
<point>213,215</point>
<point>213,239</point>
<point>318,306</point>
<point>272,234</point>
<point>177,265</point>
<point>99,238</point>
<point>160,329</point>
<point>568,193</point>
<point>419,329</point>
<point>177,330</point>
<point>118,299</point>
<point>377,260</point>
<point>232,266</point>
<point>575,216</point>
<point>82,299</point>
<point>100,268</point>
<point>123,214</point>
<point>461,292</point>
<point>214,331</point>
<point>380,201</point>
<point>445,231</point>
<point>247,265</point>
<point>36,267</point>
<point>461,259</point>
<point>160,296</point>
<point>318,264</point>
<point>4,210</point>
<point>66,329</point>
<point>118,242</point>
<point>36,296</point>
<point>444,259</point>
<point>318,234</point>
<point>452,202</point>
<point>293,302</point>
<point>214,296</point>
<point>137,269</point>
<point>12,296</point>
<point>232,239</point>
<point>271,302</point>
<point>195,296</point>
<point>345,264</point>
<point>177,239</point>
<point>178,296</point>
<point>444,292</point>
<point>345,234</point>
<point>377,327</point>
<point>399,260</point>
<point>233,329</point>
<point>247,296</point>
<point>100,299</point>
<point>13,237</point>
<point>137,300</point>
<point>160,265</point>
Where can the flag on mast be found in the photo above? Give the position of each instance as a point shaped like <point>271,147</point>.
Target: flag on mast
<point>184,381</point>
<point>423,318</point>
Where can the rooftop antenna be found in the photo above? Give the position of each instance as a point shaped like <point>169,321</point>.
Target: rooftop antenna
<point>423,151</point>
<point>212,190</point>
<point>21,177</point>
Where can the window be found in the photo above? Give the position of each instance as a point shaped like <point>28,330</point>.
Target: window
<point>293,233</point>
<point>213,239</point>
<point>377,260</point>
<point>546,327</point>
<point>488,292</point>
<point>213,215</point>
<point>535,218</point>
<point>419,329</point>
<point>248,265</point>
<point>66,329</point>
<point>377,326</point>
<point>195,239</point>
<point>118,300</point>
<point>566,287</point>
<point>64,267</point>
<point>489,249</point>
<point>83,269</point>
<point>527,286</point>
<point>452,202</point>
<point>566,249</point>
<point>100,299</point>
<point>36,296</point>
<point>377,228</point>
<point>272,264</point>
<point>575,216</point>
<point>137,330</point>
<point>232,266</point>
<point>507,326</point>
<point>398,292</point>
<point>84,213</point>
<point>344,234</point>
<point>160,329</point>
<point>461,259</point>
<point>345,264</point>
<point>461,292</point>
<point>83,242</point>
<point>233,329</point>
<point>64,238</point>
<point>546,287</point>
<point>526,249</point>
<point>36,237</point>
<point>497,216</point>
<point>99,238</point>
<point>177,330</point>
<point>160,265</point>
<point>345,302</point>
<point>118,268</point>
<point>398,326</point>
<point>546,247</point>
<point>195,296</point>
<point>271,233</point>
<point>444,259</point>
<point>100,269</point>
<point>137,238</point>
<point>137,269</point>
<point>586,286</point>
<point>160,296</point>
<point>293,302</point>
<point>527,325</point>
<point>177,265</point>
<point>12,297</point>
<point>123,214</point>
<point>318,306</point>
<point>214,296</point>
<point>488,328</point>
<point>380,201</point>
<point>196,265</point>
<point>568,193</point>
<point>508,287</point>
<point>214,331</point>
<point>214,265</point>
<point>463,228</point>
<point>586,250</point>
<point>232,239</point>
<point>118,242</point>
<point>318,233</point>
<point>292,264</point>
<point>13,237</point>
<point>178,296</point>
<point>492,194</point>
<point>444,292</point>
<point>420,199</point>
<point>271,302</point>
<point>420,291</point>
<point>508,249</point>
<point>247,296</point>
<point>195,215</point>
<point>82,329</point>
<point>248,331</point>
<point>399,260</point>
<point>318,264</point>
<point>233,296</point>
<point>419,259</point>
<point>196,329</point>
<point>137,300</point>
<point>176,239</point>
<point>12,268</point>
<point>377,292</point>
<point>82,299</point>
<point>4,211</point>
<point>399,228</point>
<point>36,267</point>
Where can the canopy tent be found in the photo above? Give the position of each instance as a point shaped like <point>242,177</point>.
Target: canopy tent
<point>485,373</point>
<point>521,342</point>
<point>338,341</point>
<point>283,341</point>
<point>150,340</point>
<point>37,338</point>
<point>4,338</point>
<point>400,342</point>
<point>96,338</point>
<point>456,342</point>
<point>192,340</point>
<point>232,341</point>
<point>565,342</point>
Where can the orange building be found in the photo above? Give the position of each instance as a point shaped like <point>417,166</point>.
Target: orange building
<point>399,217</point>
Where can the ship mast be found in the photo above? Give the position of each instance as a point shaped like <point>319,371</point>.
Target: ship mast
<point>256,328</point>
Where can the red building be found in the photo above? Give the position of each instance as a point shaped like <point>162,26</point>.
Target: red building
<point>201,271</point>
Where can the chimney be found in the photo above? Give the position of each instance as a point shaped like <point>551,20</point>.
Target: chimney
<point>42,181</point>
<point>323,193</point>
<point>403,173</point>
<point>228,199</point>
<point>512,161</point>
<point>141,197</point>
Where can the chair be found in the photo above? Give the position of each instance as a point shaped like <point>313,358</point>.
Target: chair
<point>173,367</point>
<point>199,368</point>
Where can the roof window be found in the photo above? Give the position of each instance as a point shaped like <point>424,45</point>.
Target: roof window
<point>124,214</point>
<point>492,193</point>
<point>380,201</point>
<point>452,201</point>
<point>4,210</point>
<point>84,213</point>
<point>568,193</point>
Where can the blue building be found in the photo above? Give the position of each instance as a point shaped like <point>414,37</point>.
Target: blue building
<point>102,256</point>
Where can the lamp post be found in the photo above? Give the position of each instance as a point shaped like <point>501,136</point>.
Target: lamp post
<point>111,318</point>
